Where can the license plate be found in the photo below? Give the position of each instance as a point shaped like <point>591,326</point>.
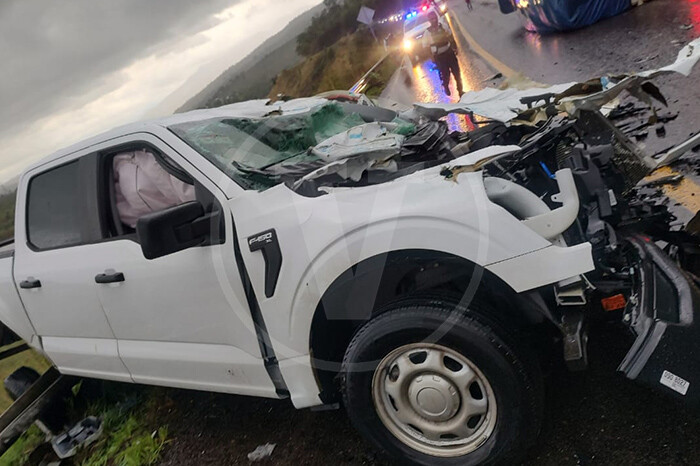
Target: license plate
<point>674,382</point>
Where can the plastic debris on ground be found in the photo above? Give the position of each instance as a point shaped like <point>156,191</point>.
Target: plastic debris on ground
<point>262,452</point>
<point>79,436</point>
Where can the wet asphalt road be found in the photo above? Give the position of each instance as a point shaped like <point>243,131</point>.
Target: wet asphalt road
<point>592,418</point>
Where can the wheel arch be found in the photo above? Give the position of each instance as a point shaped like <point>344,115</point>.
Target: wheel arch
<point>363,291</point>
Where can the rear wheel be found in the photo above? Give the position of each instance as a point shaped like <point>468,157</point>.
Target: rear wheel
<point>430,383</point>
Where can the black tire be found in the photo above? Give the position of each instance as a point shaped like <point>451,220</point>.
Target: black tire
<point>511,370</point>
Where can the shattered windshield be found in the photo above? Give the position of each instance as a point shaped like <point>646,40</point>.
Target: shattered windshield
<point>244,147</point>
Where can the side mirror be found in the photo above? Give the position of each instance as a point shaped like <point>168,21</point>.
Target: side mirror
<point>174,229</point>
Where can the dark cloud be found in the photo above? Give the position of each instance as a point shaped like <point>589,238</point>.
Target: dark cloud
<point>52,51</point>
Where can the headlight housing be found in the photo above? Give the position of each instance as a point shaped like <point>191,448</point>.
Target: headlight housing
<point>408,45</point>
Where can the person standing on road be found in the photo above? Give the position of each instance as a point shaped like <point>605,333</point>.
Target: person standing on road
<point>442,46</point>
<point>469,4</point>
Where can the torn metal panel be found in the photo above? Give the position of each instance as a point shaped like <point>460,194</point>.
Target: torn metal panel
<point>496,104</point>
<point>371,138</point>
<point>478,158</point>
<point>688,56</point>
<point>635,83</point>
<point>351,168</point>
<point>676,152</point>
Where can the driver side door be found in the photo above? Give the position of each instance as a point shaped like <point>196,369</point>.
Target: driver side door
<point>182,320</point>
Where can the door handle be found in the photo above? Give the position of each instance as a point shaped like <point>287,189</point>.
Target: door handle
<point>30,283</point>
<point>109,278</point>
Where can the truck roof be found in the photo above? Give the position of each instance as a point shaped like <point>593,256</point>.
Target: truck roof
<point>249,109</point>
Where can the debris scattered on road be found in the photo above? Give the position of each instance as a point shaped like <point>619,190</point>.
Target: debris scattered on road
<point>663,180</point>
<point>640,135</point>
<point>687,27</point>
<point>262,452</point>
<point>660,130</point>
<point>646,59</point>
<point>79,436</point>
<point>517,103</point>
<point>494,77</point>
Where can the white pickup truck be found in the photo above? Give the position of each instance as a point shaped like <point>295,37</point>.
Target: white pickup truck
<point>337,252</point>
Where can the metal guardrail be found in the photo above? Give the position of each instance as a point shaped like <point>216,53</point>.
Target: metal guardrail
<point>27,408</point>
<point>4,354</point>
<point>20,415</point>
<point>361,85</point>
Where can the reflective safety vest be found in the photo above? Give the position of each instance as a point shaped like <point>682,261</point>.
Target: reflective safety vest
<point>439,40</point>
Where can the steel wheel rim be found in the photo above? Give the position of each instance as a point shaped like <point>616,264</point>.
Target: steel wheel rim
<point>434,400</point>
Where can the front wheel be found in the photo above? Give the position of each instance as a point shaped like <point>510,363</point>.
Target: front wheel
<point>432,384</point>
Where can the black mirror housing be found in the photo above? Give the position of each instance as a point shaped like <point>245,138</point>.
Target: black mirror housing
<point>173,229</point>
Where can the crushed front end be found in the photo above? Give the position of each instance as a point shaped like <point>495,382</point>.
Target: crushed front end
<point>645,252</point>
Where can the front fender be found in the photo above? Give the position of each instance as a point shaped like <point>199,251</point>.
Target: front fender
<point>321,238</point>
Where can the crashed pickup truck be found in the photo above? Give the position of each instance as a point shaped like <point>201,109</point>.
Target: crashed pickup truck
<point>334,253</point>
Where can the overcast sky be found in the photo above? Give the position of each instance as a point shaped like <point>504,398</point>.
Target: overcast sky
<point>72,68</point>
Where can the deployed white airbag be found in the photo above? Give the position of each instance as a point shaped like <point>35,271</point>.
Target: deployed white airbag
<point>142,186</point>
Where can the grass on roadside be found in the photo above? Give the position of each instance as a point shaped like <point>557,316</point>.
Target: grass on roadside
<point>379,78</point>
<point>18,453</point>
<point>127,439</point>
<point>130,435</point>
<point>334,68</point>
